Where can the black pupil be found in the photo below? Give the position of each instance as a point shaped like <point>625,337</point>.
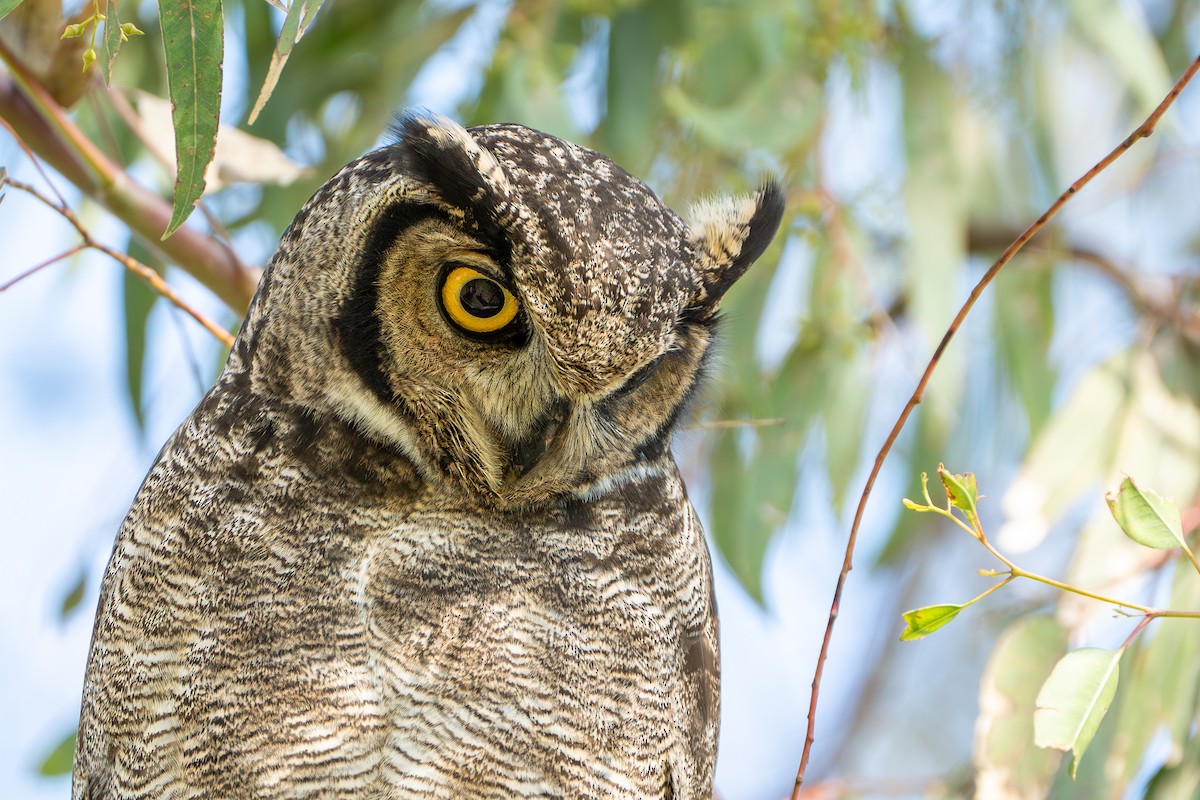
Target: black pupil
<point>481,297</point>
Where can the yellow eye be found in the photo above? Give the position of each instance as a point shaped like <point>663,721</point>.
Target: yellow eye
<point>475,302</point>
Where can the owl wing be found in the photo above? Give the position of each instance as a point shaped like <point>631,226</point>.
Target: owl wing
<point>228,649</point>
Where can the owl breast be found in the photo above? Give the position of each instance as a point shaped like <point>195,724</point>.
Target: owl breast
<point>581,640</point>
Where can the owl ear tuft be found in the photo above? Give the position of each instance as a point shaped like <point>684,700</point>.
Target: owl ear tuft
<point>440,152</point>
<point>731,233</point>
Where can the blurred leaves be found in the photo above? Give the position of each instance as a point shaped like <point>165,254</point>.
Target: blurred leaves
<point>1023,657</point>
<point>1075,699</point>
<point>139,300</point>
<point>60,759</point>
<point>73,596</point>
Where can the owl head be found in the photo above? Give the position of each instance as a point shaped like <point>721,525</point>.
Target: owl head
<point>515,314</point>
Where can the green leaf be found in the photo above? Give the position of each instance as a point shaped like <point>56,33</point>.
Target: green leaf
<point>1162,672</point>
<point>74,596</point>
<point>193,40</point>
<point>1128,43</point>
<point>1024,327</point>
<point>961,489</point>
<point>633,99</point>
<point>112,39</point>
<point>60,759</point>
<point>750,499</point>
<point>921,622</point>
<point>300,11</point>
<point>1145,517</point>
<point>1074,700</point>
<point>844,414</point>
<point>139,300</point>
<point>1180,781</point>
<point>7,6</point>
<point>1024,655</point>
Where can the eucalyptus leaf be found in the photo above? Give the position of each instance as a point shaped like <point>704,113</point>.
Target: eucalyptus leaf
<point>300,11</point>
<point>1006,766</point>
<point>1122,34</point>
<point>1179,780</point>
<point>7,6</point>
<point>139,300</point>
<point>112,38</point>
<point>1024,324</point>
<point>921,622</point>
<point>60,759</point>
<point>1073,701</point>
<point>74,596</point>
<point>1146,517</point>
<point>193,40</point>
<point>1162,675</point>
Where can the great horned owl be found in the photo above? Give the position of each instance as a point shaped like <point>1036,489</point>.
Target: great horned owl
<point>425,537</point>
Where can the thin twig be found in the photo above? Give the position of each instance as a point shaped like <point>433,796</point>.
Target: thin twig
<point>39,120</point>
<point>132,264</point>
<point>1142,131</point>
<point>39,267</point>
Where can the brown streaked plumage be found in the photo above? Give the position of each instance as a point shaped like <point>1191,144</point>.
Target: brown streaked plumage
<point>392,556</point>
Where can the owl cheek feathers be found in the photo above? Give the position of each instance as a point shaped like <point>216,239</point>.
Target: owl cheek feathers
<point>729,234</point>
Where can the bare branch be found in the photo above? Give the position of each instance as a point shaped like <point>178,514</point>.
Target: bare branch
<point>132,264</point>
<point>1142,131</point>
<point>38,120</point>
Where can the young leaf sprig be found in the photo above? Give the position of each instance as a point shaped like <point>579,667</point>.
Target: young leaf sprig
<point>1079,690</point>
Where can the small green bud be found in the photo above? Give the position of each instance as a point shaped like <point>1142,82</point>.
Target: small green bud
<point>129,29</point>
<point>961,489</point>
<point>89,56</point>
<point>72,31</point>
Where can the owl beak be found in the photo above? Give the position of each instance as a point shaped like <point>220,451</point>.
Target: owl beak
<point>525,454</point>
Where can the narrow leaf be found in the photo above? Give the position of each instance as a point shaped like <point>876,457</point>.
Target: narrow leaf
<point>60,759</point>
<point>193,40</point>
<point>1074,700</point>
<point>921,622</point>
<point>1146,517</point>
<point>289,34</point>
<point>74,596</point>
<point>310,12</point>
<point>112,38</point>
<point>7,6</point>
<point>139,300</point>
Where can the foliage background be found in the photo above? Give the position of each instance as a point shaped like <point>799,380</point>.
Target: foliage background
<point>915,140</point>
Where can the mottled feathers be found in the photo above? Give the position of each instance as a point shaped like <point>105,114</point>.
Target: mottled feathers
<point>421,542</point>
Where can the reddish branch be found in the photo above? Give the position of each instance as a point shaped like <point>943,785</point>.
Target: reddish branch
<point>1142,131</point>
<point>40,122</point>
<point>133,265</point>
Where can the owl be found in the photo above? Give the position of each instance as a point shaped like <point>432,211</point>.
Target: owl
<point>425,537</point>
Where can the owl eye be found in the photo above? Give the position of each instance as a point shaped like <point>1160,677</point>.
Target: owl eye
<point>475,302</point>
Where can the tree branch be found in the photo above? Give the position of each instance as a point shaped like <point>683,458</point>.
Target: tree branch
<point>1142,131</point>
<point>43,125</point>
<point>132,264</point>
<point>1148,303</point>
